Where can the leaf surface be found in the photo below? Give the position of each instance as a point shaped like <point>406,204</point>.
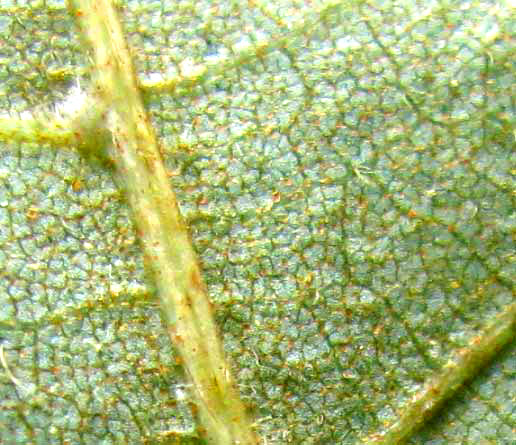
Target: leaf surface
<point>346,170</point>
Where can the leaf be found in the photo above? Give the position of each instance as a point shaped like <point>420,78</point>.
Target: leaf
<point>346,170</point>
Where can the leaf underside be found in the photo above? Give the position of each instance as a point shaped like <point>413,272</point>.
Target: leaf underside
<point>346,171</point>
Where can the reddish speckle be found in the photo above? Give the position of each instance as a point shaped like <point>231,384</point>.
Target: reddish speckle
<point>195,279</point>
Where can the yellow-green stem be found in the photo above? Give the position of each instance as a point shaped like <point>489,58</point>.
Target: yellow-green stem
<point>467,363</point>
<point>161,228</point>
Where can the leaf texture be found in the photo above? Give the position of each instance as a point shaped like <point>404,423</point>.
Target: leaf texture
<point>347,173</point>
